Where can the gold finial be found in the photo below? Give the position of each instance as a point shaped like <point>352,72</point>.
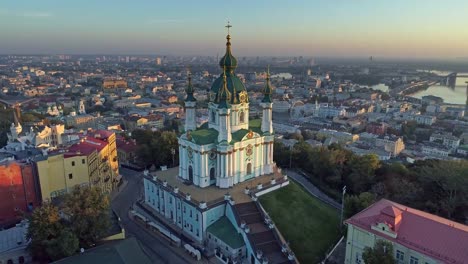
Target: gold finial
<point>228,26</point>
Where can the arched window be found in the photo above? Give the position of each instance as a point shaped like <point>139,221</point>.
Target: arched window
<point>242,117</point>
<point>21,259</point>
<point>10,261</point>
<point>212,174</point>
<point>213,116</point>
<point>249,168</point>
<point>190,173</point>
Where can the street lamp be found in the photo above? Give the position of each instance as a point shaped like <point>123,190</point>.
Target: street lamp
<point>173,156</point>
<point>342,206</point>
<point>290,156</point>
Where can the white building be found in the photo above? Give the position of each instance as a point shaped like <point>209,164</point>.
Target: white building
<point>225,164</point>
<point>425,119</point>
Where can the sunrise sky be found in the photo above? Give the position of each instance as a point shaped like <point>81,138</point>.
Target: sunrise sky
<point>397,28</point>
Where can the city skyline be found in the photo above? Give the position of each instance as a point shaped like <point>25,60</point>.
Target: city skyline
<point>404,29</point>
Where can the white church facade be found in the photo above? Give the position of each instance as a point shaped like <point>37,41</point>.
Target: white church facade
<point>229,148</point>
<point>225,164</point>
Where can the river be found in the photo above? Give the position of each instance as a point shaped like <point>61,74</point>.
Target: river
<point>455,95</point>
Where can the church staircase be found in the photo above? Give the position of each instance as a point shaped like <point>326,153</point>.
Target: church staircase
<point>263,239</point>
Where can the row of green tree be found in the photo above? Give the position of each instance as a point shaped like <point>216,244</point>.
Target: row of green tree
<point>156,148</point>
<point>435,186</point>
<point>79,222</point>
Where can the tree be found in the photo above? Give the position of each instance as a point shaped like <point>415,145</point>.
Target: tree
<point>381,253</point>
<point>356,203</point>
<point>362,172</point>
<point>88,210</point>
<point>66,244</point>
<point>50,240</point>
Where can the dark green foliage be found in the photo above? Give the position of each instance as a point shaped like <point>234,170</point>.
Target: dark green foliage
<point>50,239</point>
<point>381,253</point>
<point>87,220</point>
<point>88,211</point>
<point>436,186</point>
<point>154,148</point>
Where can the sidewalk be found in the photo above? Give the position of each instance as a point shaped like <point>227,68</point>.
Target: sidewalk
<point>118,189</point>
<point>178,250</point>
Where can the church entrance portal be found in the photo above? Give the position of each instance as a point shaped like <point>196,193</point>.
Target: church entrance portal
<point>190,173</point>
<point>212,176</point>
<point>249,168</point>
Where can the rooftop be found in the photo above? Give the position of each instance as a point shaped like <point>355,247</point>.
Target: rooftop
<point>224,230</point>
<point>417,230</point>
<point>116,252</point>
<point>13,238</point>
<point>212,194</point>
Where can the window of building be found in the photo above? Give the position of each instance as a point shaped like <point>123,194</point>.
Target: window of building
<point>240,250</point>
<point>70,176</point>
<point>170,200</point>
<point>152,188</point>
<point>216,240</point>
<point>209,236</point>
<point>414,260</point>
<point>198,232</point>
<point>190,212</point>
<point>184,209</point>
<point>73,163</point>
<point>400,256</point>
<point>213,116</point>
<point>196,217</point>
<point>358,258</point>
<point>178,205</point>
<point>191,228</point>
<point>83,161</point>
<point>242,117</point>
<point>227,248</point>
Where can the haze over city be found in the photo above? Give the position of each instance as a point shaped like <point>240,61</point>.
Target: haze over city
<point>395,29</point>
<point>234,132</point>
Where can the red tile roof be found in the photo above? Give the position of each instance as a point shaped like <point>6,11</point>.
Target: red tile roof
<point>431,235</point>
<point>88,145</point>
<point>126,145</point>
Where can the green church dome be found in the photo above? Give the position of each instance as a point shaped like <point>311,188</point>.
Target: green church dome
<point>235,86</point>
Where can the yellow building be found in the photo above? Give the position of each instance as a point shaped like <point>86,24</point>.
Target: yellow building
<point>58,173</point>
<point>111,84</point>
<point>417,237</point>
<point>92,161</point>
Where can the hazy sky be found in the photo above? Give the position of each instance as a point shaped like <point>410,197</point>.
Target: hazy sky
<point>391,28</point>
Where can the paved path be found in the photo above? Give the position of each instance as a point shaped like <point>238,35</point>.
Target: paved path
<point>156,247</point>
<point>312,189</point>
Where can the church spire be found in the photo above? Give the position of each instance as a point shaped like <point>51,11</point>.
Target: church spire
<point>224,95</point>
<point>228,61</point>
<point>267,91</point>
<point>189,90</point>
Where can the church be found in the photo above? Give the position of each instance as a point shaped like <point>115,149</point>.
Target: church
<point>225,164</point>
<point>229,148</point>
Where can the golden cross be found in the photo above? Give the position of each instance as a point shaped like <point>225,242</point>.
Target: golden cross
<point>228,26</point>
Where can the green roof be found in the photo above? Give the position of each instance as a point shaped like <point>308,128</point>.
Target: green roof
<point>225,231</point>
<point>116,252</point>
<point>463,147</point>
<point>205,136</point>
<point>256,125</point>
<point>239,135</point>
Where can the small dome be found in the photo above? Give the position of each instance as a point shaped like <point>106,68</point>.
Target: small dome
<point>228,61</point>
<point>234,85</point>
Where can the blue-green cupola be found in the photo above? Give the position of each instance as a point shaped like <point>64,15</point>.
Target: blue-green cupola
<point>228,61</point>
<point>224,95</point>
<point>189,90</point>
<point>267,91</point>
<point>234,85</point>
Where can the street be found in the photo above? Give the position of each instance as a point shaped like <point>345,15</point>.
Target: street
<point>155,247</point>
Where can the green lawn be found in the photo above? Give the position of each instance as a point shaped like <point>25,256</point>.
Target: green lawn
<point>310,226</point>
